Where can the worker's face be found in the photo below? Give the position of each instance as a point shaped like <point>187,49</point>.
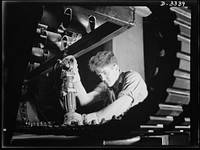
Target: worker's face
<point>108,74</point>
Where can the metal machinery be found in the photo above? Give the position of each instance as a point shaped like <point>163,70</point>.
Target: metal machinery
<point>67,90</point>
<point>65,31</point>
<point>67,93</point>
<point>76,30</point>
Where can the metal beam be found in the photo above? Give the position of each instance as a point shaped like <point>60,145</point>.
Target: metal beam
<point>90,41</point>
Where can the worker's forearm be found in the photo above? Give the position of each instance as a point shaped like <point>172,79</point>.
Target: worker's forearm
<point>81,93</point>
<point>117,108</point>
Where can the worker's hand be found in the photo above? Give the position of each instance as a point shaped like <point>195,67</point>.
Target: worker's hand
<point>90,118</point>
<point>73,118</point>
<point>71,62</point>
<point>76,73</point>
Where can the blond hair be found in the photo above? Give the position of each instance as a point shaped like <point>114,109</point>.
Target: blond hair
<point>101,59</point>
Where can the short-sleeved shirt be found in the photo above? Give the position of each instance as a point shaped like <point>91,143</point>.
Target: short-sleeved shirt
<point>129,83</point>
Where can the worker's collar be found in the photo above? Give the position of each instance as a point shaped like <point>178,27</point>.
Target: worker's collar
<point>115,87</point>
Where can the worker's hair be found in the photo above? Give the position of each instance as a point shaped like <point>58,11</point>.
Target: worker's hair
<point>101,59</point>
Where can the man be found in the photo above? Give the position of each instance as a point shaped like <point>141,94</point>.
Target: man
<point>118,90</point>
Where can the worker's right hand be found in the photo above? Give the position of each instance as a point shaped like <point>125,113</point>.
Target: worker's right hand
<point>76,72</point>
<point>73,62</point>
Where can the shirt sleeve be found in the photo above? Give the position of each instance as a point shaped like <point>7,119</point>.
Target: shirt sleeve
<point>134,86</point>
<point>101,87</point>
<point>104,98</point>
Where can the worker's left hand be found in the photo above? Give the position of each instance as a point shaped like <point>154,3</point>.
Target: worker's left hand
<point>73,117</point>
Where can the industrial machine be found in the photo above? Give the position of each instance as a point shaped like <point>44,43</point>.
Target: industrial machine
<point>44,92</point>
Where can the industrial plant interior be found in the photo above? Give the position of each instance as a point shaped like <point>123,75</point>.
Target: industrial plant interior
<point>153,40</point>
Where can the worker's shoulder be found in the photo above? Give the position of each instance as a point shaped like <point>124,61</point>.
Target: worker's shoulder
<point>131,74</point>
